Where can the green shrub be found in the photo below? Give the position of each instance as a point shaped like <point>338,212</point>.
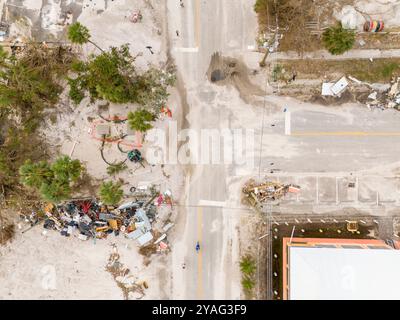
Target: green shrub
<point>247,265</point>
<point>55,191</point>
<point>116,168</point>
<point>338,40</point>
<point>140,120</point>
<point>78,33</point>
<point>247,284</point>
<point>53,182</point>
<point>35,174</point>
<point>67,170</point>
<point>111,193</point>
<point>112,76</point>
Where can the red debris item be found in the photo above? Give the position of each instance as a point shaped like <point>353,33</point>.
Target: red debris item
<point>136,16</point>
<point>163,245</point>
<point>167,111</point>
<point>293,189</point>
<point>160,200</point>
<point>86,207</point>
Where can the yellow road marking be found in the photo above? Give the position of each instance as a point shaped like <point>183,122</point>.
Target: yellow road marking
<point>199,254</point>
<point>198,23</point>
<point>350,133</point>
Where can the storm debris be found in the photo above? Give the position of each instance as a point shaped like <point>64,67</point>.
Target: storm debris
<point>267,191</point>
<point>91,219</point>
<point>124,278</point>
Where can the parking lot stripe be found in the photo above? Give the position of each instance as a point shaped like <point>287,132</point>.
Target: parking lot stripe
<point>349,133</point>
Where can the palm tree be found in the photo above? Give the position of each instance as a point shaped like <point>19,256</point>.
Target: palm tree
<point>247,265</point>
<point>78,33</point>
<point>55,191</point>
<point>114,169</point>
<point>111,193</point>
<point>338,40</point>
<point>67,170</point>
<point>140,120</point>
<point>247,283</point>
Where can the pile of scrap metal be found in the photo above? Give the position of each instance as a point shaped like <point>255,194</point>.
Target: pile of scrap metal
<point>267,191</point>
<point>90,219</point>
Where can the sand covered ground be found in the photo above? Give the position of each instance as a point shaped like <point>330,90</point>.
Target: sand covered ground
<point>37,266</point>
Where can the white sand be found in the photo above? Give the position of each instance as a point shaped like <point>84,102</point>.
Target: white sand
<point>34,266</point>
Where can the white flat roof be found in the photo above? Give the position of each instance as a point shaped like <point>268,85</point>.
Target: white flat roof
<point>348,274</point>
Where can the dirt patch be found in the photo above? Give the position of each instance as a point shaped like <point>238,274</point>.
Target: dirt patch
<point>300,21</point>
<point>310,74</point>
<point>7,231</point>
<point>379,40</point>
<point>229,71</point>
<point>376,71</point>
<point>251,228</point>
<point>346,97</point>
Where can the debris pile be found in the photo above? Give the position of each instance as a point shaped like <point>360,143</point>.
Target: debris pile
<point>269,41</point>
<point>386,99</point>
<point>267,191</point>
<point>87,219</point>
<point>124,278</point>
<point>334,89</point>
<point>393,95</point>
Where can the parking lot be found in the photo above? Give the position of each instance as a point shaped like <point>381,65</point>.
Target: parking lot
<point>351,190</point>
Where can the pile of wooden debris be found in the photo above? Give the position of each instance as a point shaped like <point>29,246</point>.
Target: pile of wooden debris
<point>267,191</point>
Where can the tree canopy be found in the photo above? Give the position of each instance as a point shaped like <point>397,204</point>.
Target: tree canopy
<point>338,40</point>
<point>52,181</point>
<point>78,33</point>
<point>111,193</point>
<point>140,120</point>
<point>247,265</point>
<point>113,76</point>
<point>35,174</point>
<point>66,170</point>
<point>30,82</point>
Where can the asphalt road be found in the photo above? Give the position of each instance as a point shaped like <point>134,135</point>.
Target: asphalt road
<point>207,27</point>
<point>345,139</point>
<point>323,140</point>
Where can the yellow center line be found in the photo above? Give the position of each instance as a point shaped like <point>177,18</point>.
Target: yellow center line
<point>198,22</point>
<point>199,254</point>
<point>350,133</point>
